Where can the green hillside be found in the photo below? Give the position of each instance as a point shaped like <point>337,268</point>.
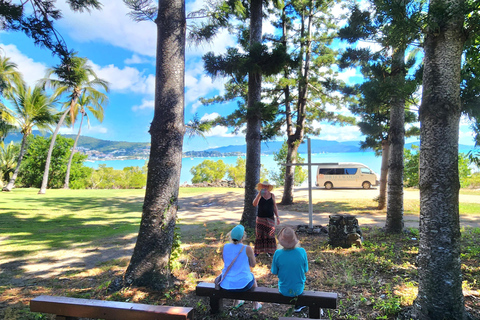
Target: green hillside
<point>90,143</point>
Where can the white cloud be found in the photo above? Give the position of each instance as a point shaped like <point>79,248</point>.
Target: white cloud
<point>338,133</point>
<point>127,79</point>
<point>223,132</point>
<point>146,104</point>
<point>209,116</point>
<point>110,25</point>
<point>32,71</point>
<point>137,59</point>
<point>198,85</point>
<point>85,130</point>
<point>347,74</point>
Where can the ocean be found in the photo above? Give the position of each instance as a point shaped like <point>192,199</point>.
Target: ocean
<point>367,158</point>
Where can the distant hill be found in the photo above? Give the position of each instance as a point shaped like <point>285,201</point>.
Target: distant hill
<point>318,146</point>
<point>102,148</point>
<point>108,149</point>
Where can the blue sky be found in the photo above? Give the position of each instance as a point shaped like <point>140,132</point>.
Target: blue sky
<point>123,53</point>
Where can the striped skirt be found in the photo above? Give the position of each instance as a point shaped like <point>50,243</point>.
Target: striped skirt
<point>265,236</point>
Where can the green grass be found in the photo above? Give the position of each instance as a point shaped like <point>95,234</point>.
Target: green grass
<point>63,218</point>
<point>374,281</point>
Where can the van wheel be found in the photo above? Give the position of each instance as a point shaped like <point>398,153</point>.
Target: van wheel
<point>328,185</point>
<point>366,185</point>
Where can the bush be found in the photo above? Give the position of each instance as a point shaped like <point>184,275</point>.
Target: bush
<point>208,171</point>
<point>33,164</point>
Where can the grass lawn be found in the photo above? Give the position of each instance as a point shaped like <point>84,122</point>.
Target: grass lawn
<point>67,226</point>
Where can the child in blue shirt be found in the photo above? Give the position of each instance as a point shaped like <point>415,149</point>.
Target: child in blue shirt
<point>290,264</point>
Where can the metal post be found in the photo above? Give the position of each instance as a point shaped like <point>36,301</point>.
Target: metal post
<point>310,207</point>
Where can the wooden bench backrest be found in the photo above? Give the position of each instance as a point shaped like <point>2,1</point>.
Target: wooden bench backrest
<point>99,309</point>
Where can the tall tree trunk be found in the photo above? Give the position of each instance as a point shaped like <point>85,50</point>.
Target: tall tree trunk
<point>439,267</point>
<point>383,175</point>
<point>43,187</point>
<point>396,137</point>
<point>289,178</point>
<point>294,140</point>
<point>254,121</point>
<point>149,265</point>
<point>11,183</point>
<point>69,164</point>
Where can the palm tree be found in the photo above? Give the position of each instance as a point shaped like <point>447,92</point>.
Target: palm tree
<point>29,108</point>
<point>73,75</point>
<point>94,106</point>
<point>8,156</point>
<point>8,76</point>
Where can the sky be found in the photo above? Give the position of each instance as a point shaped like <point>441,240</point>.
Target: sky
<point>122,52</point>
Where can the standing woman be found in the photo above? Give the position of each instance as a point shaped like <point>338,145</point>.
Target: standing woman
<point>266,216</point>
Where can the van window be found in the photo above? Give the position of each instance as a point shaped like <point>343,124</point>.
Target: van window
<point>332,171</point>
<point>351,171</point>
<point>366,170</point>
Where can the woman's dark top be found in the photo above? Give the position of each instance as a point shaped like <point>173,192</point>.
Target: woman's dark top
<point>265,208</point>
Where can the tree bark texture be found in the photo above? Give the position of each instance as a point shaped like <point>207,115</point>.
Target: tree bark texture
<point>43,187</point>
<point>396,139</point>
<point>254,122</point>
<point>296,135</point>
<point>66,185</point>
<point>149,265</point>
<point>383,175</point>
<point>439,267</point>
<point>289,180</point>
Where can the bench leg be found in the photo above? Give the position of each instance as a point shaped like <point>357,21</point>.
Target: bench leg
<point>314,312</point>
<point>216,304</point>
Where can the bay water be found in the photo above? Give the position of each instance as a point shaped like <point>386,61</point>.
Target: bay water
<point>367,158</point>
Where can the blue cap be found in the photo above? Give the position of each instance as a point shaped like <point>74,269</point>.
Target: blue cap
<point>237,232</point>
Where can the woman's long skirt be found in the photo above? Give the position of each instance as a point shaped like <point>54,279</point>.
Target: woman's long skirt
<point>265,236</point>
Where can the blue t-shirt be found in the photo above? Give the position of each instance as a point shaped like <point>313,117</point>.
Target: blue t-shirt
<point>290,265</point>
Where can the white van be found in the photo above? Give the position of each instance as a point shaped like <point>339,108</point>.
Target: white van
<point>345,175</point>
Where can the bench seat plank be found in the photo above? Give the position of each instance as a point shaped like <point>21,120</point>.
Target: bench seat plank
<point>313,299</point>
<point>99,309</point>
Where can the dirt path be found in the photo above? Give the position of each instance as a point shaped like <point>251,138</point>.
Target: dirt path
<point>229,207</point>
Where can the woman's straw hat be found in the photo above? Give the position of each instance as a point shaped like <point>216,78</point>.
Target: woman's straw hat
<point>263,184</point>
<point>287,238</point>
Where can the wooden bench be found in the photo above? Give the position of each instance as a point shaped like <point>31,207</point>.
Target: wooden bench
<point>315,300</point>
<point>73,308</point>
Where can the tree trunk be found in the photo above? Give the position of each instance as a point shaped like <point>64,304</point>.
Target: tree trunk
<point>439,267</point>
<point>383,175</point>
<point>289,181</point>
<point>43,187</point>
<point>11,183</point>
<point>296,138</point>
<point>396,137</point>
<point>149,265</point>
<point>69,164</point>
<point>289,178</point>
<point>253,134</point>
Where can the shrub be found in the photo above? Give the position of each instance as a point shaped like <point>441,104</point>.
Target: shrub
<point>209,171</point>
